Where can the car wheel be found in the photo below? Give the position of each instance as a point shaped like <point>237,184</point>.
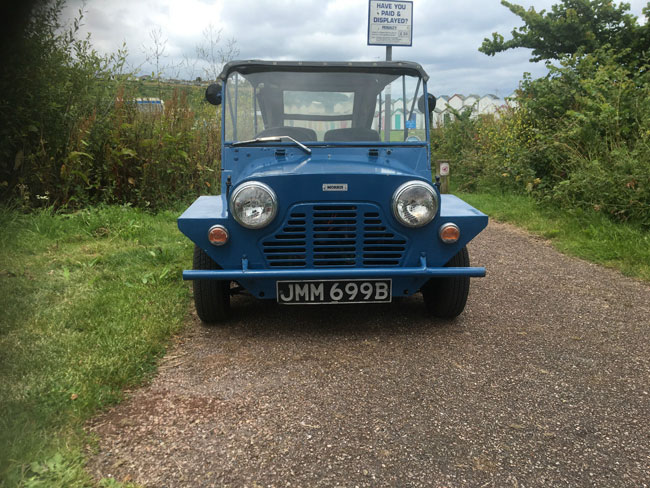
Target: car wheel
<point>446,297</point>
<point>211,297</point>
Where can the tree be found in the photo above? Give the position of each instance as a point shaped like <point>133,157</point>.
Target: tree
<point>158,49</point>
<point>188,65</point>
<point>155,54</point>
<point>213,54</point>
<point>574,27</point>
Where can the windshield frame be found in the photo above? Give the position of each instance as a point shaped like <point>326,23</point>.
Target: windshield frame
<point>383,67</point>
<point>381,81</point>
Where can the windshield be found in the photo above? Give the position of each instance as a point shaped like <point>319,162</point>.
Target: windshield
<point>324,107</point>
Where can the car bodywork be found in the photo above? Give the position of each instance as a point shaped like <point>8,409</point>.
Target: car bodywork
<point>334,217</point>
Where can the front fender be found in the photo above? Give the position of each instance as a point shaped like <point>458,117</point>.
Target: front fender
<point>205,212</point>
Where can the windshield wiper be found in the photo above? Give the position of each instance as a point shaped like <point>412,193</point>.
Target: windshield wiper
<point>272,139</point>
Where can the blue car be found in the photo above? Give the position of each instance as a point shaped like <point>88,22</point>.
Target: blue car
<point>327,193</point>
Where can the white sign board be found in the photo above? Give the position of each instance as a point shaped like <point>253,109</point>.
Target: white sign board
<point>444,169</point>
<point>390,23</point>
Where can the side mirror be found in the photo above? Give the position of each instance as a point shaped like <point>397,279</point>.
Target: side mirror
<point>432,103</point>
<point>213,94</point>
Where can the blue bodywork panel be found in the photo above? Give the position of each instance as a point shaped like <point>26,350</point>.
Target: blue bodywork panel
<point>380,246</point>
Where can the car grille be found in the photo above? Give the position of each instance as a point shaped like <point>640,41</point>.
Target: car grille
<point>334,235</point>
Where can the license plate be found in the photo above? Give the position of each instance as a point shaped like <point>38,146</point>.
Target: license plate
<point>312,292</point>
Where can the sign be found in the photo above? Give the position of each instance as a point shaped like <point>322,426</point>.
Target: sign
<point>390,23</point>
<point>444,169</point>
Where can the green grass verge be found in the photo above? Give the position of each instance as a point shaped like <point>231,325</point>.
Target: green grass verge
<point>90,301</point>
<point>586,234</point>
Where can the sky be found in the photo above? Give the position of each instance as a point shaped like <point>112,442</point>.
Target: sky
<point>446,35</point>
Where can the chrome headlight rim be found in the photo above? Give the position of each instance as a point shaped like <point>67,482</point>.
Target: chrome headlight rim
<point>250,184</point>
<point>407,186</point>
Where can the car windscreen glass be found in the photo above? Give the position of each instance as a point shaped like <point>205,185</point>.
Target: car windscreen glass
<point>403,121</point>
<point>304,108</point>
<point>323,106</point>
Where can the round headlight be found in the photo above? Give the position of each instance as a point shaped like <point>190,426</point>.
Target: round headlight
<point>415,204</point>
<point>253,204</point>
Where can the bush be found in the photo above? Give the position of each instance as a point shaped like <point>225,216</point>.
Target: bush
<point>579,137</point>
<point>70,135</point>
<point>617,184</point>
<point>146,159</point>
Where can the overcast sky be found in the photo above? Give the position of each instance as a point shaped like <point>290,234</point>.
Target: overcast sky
<point>446,35</point>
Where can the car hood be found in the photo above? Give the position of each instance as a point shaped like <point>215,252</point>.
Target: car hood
<point>322,166</point>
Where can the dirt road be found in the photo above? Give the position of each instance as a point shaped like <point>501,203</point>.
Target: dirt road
<point>543,381</point>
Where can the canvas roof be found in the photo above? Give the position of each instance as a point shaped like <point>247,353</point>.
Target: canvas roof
<point>395,68</point>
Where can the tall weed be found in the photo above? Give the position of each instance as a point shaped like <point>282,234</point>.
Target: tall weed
<point>146,159</point>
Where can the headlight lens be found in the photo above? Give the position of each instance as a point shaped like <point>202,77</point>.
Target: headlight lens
<point>253,205</point>
<point>415,204</point>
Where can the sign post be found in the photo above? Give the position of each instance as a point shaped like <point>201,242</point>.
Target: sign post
<point>390,23</point>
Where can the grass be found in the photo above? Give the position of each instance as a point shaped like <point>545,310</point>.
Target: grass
<point>586,234</point>
<point>90,301</point>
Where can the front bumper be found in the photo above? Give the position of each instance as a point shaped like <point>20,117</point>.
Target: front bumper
<point>282,274</point>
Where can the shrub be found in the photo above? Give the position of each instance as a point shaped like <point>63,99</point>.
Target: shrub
<point>70,135</point>
<point>146,159</point>
<point>579,138</point>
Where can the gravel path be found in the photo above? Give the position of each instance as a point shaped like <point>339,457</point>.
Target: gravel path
<point>543,381</point>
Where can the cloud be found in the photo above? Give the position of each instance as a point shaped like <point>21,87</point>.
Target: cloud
<point>447,35</point>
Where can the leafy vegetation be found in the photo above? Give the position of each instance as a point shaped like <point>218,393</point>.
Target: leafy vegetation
<point>90,300</point>
<point>575,27</point>
<point>147,159</point>
<point>578,138</point>
<point>71,134</point>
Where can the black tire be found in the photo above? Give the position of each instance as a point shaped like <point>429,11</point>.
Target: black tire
<point>445,298</point>
<point>211,297</point>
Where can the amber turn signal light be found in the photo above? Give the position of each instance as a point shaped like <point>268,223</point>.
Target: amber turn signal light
<point>449,233</point>
<point>218,235</point>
